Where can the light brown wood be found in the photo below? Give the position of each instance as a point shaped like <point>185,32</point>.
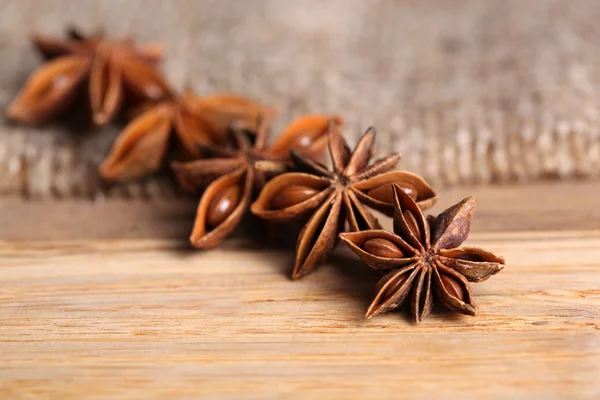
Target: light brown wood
<point>144,317</point>
<point>540,206</point>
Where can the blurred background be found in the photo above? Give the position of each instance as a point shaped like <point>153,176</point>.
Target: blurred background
<point>469,91</point>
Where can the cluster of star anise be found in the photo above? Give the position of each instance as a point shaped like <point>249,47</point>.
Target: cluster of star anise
<point>220,149</point>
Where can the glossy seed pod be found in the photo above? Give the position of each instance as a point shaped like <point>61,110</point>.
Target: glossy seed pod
<point>385,193</point>
<point>222,205</point>
<point>140,148</point>
<point>221,208</point>
<point>49,90</point>
<point>292,195</point>
<point>381,247</point>
<point>377,191</point>
<point>307,135</point>
<point>271,205</point>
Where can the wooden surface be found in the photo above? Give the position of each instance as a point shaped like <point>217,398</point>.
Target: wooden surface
<point>85,314</point>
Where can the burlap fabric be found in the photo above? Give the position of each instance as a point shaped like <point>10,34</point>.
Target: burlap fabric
<point>468,91</point>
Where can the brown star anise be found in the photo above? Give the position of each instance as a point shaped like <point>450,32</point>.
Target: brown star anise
<point>142,145</point>
<point>332,197</point>
<point>235,175</point>
<point>425,258</point>
<point>112,68</point>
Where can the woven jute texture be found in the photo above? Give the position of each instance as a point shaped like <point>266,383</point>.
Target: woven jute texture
<point>469,91</point>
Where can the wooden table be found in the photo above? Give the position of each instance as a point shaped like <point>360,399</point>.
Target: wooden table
<point>105,300</point>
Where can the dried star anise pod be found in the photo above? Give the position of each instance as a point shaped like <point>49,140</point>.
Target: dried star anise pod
<point>235,175</point>
<point>142,145</point>
<point>332,197</point>
<point>425,258</point>
<point>112,68</point>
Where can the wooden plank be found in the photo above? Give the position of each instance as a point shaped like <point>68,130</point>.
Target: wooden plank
<point>542,206</point>
<point>106,299</point>
<point>146,319</point>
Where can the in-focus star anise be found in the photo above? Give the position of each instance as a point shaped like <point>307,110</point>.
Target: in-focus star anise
<point>332,197</point>
<point>425,258</point>
<point>235,175</point>
<point>142,145</point>
<point>112,68</point>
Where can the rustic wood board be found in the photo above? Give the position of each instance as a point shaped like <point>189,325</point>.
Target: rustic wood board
<point>94,316</point>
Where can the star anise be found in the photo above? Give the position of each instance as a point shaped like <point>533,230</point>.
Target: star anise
<point>235,175</point>
<point>112,68</point>
<point>425,258</point>
<point>332,197</point>
<point>142,145</point>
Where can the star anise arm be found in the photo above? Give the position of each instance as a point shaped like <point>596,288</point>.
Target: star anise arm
<point>291,196</point>
<point>473,263</point>
<point>380,249</point>
<point>49,89</point>
<point>222,207</point>
<point>421,301</point>
<point>263,124</point>
<point>362,153</point>
<point>318,236</point>
<point>452,289</point>
<point>409,222</point>
<point>227,111</point>
<point>307,135</point>
<point>338,149</point>
<point>140,148</point>
<point>452,226</point>
<point>50,47</point>
<point>150,52</point>
<point>196,175</point>
<point>141,77</point>
<point>357,215</point>
<point>378,167</point>
<point>192,133</point>
<point>306,164</point>
<point>392,289</point>
<point>106,87</point>
<point>377,192</point>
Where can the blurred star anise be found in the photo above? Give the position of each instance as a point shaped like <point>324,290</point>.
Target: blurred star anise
<point>142,145</point>
<point>112,68</point>
<point>334,197</point>
<point>235,176</point>
<point>425,258</point>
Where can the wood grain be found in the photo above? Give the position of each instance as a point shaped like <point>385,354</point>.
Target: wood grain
<point>147,318</point>
<point>541,206</point>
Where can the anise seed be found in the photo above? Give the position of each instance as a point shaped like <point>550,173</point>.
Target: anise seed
<point>385,192</point>
<point>382,248</point>
<point>452,286</point>
<point>222,205</point>
<point>292,195</point>
<point>394,286</point>
<point>411,221</point>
